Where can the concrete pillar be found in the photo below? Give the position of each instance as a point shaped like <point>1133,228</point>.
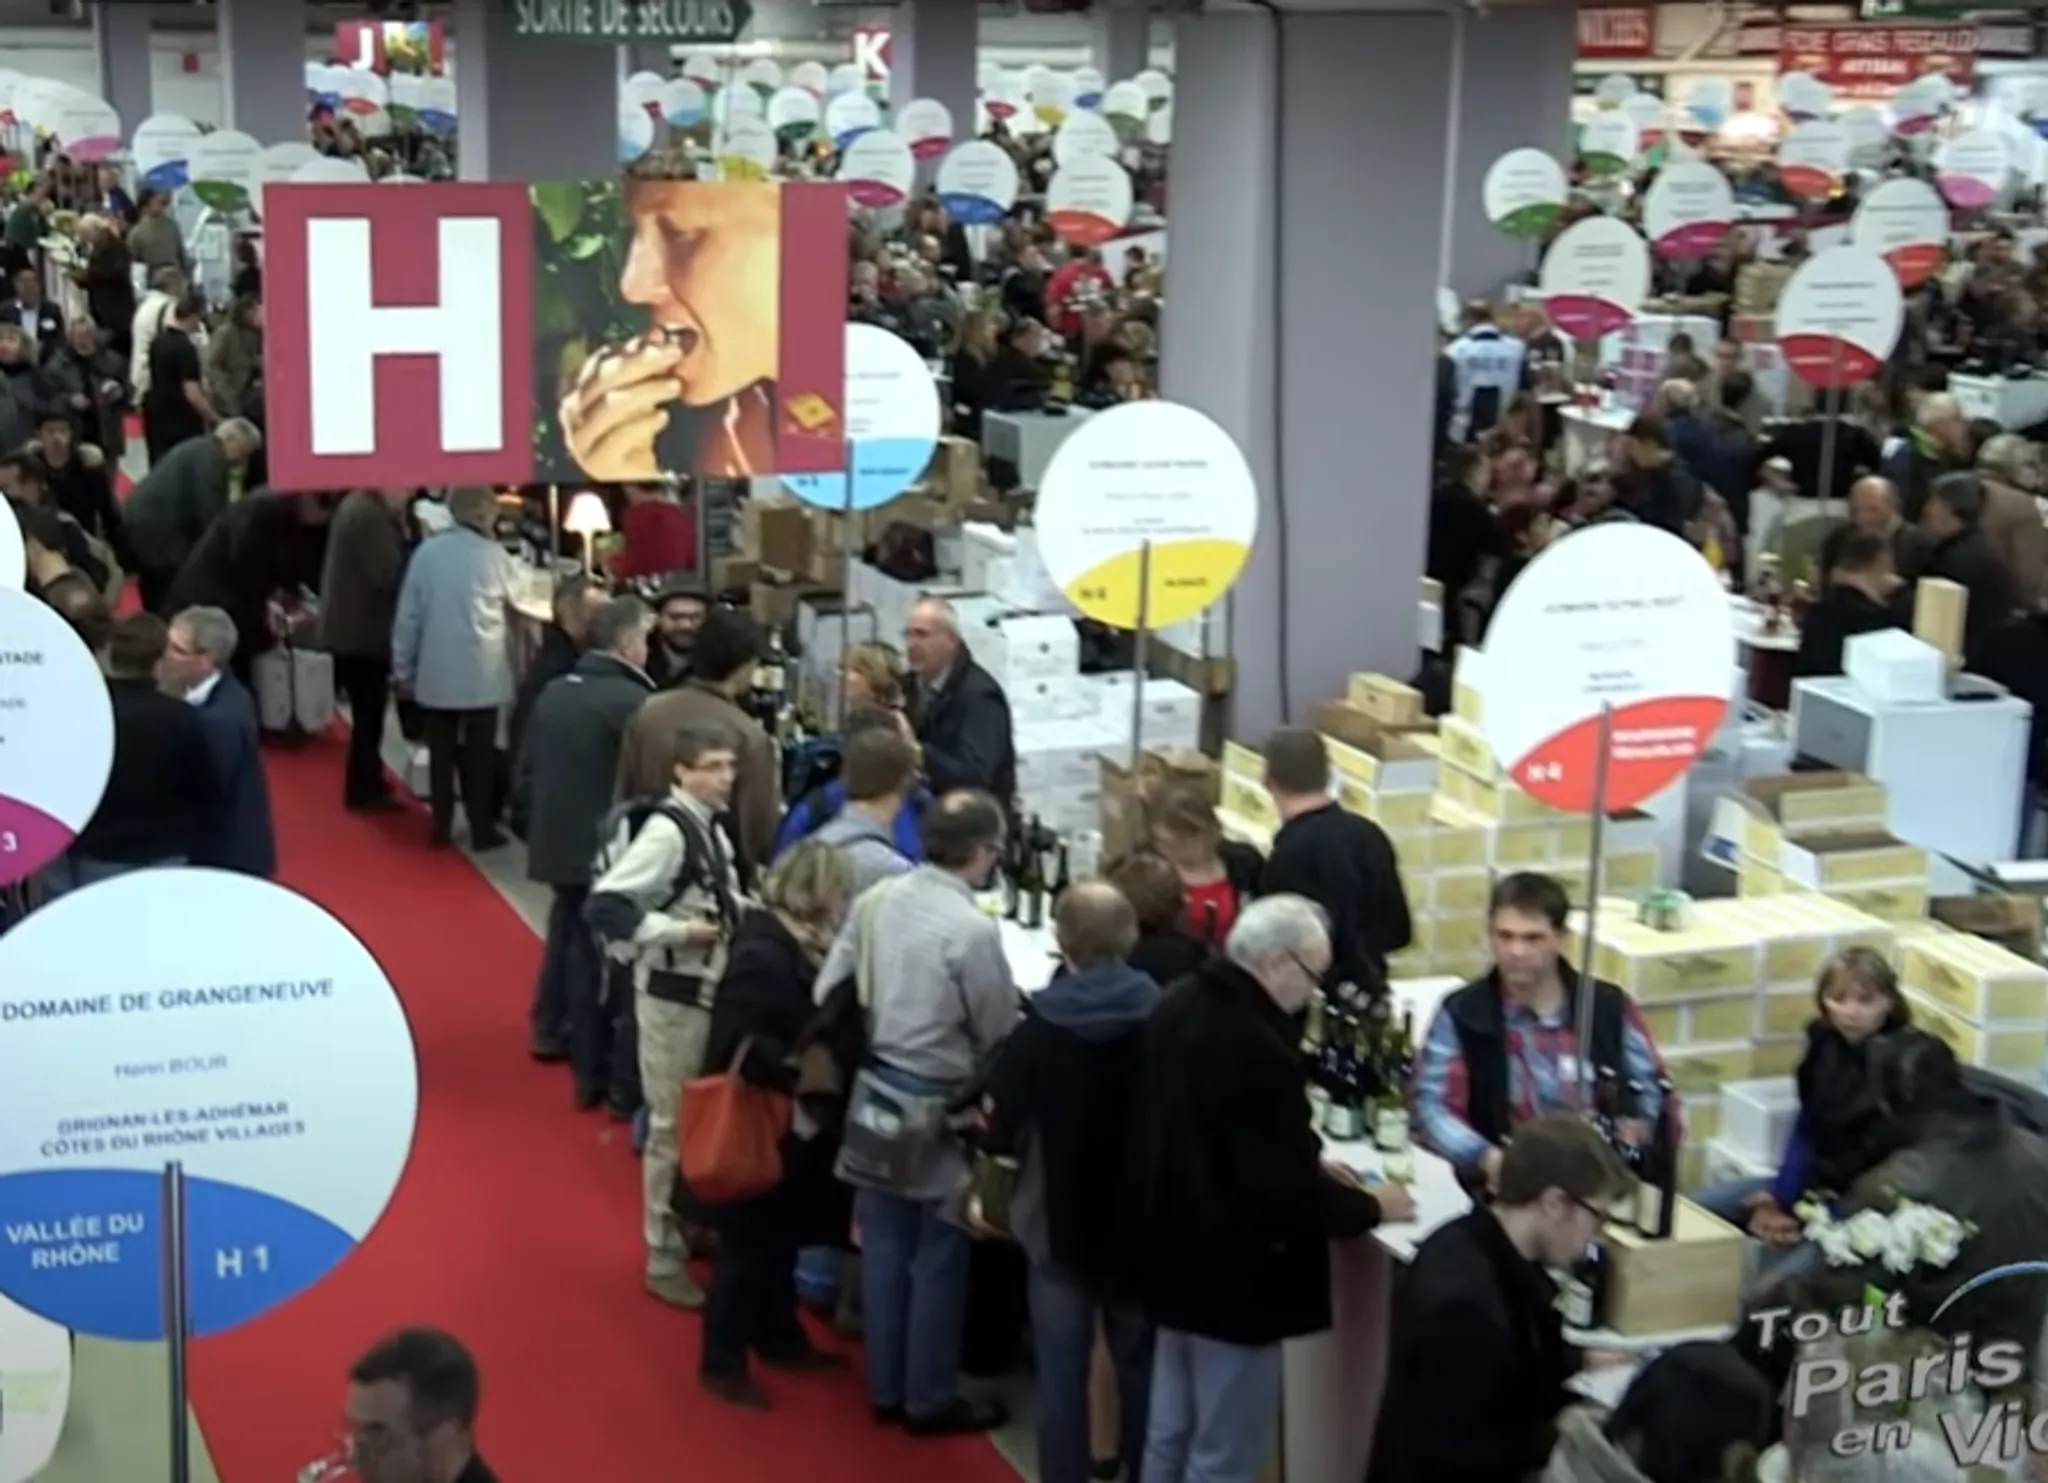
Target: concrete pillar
<point>263,68</point>
<point>1122,45</point>
<point>1321,372</point>
<point>932,54</point>
<point>120,35</point>
<point>574,137</point>
<point>1512,89</point>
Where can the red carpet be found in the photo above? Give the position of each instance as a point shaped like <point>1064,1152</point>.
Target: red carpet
<point>516,1226</point>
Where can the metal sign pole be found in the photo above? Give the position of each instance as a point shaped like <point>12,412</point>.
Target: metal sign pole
<point>177,1317</point>
<point>1582,1029</point>
<point>1140,637</point>
<point>1831,409</point>
<point>847,552</point>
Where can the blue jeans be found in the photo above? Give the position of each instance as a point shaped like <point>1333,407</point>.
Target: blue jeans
<point>913,1270</point>
<point>1063,1314</point>
<point>1214,1410</point>
<point>1728,1198</point>
<point>817,1273</point>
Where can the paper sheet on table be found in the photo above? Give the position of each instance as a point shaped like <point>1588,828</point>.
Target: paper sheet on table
<point>1604,1386</point>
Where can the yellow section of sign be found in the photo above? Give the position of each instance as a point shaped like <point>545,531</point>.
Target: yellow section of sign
<point>1187,576</point>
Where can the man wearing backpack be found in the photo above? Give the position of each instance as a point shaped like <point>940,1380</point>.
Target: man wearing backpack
<point>815,807</point>
<point>666,899</point>
<point>878,776</point>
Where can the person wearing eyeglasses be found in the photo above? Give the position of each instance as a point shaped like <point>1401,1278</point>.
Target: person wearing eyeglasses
<point>411,1412</point>
<point>1476,1331</point>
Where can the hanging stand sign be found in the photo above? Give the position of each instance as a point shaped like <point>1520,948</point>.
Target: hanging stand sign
<point>56,734</point>
<point>977,183</point>
<point>1608,144</point>
<point>1838,319</point>
<point>1145,517</point>
<point>13,551</point>
<point>1594,277</point>
<point>1971,169</point>
<point>926,125</point>
<point>878,170</point>
<point>1525,193</point>
<point>1904,222</point>
<point>1607,680</point>
<point>1803,96</point>
<point>1812,158</point>
<point>1690,208</point>
<point>1089,200</point>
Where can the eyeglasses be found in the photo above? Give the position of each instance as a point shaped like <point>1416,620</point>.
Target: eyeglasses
<point>1315,975</point>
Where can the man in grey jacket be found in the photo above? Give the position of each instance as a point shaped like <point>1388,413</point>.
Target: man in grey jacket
<point>940,998</point>
<point>562,786</point>
<point>178,499</point>
<point>879,770</point>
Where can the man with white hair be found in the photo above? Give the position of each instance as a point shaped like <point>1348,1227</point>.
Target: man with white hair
<point>240,835</point>
<point>1232,1206</point>
<point>963,717</point>
<point>177,500</point>
<point>1938,444</point>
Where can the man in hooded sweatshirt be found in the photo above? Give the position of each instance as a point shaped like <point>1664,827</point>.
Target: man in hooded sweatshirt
<point>1058,1101</point>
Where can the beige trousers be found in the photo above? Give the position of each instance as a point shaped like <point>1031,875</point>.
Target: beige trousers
<point>671,1053</point>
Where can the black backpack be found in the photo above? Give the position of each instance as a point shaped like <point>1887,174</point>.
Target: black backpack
<point>615,918</point>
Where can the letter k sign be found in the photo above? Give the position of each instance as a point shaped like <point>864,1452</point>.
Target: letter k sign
<point>398,326</point>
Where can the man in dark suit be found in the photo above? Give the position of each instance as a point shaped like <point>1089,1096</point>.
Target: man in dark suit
<point>1953,518</point>
<point>562,780</point>
<point>196,658</point>
<point>176,501</point>
<point>561,646</point>
<point>161,793</point>
<point>963,717</point>
<point>41,320</point>
<point>1863,595</point>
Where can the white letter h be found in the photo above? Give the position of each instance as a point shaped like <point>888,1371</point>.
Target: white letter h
<point>346,331</point>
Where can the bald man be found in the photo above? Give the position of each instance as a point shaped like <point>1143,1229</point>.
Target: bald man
<point>1874,510</point>
<point>1060,1103</point>
<point>963,717</point>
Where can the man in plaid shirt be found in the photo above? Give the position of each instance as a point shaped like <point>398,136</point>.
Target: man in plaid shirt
<point>1504,1049</point>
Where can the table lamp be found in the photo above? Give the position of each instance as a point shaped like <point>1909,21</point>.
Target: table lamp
<point>588,517</point>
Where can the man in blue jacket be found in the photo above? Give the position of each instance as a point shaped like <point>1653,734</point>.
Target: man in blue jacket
<point>240,836</point>
<point>821,803</point>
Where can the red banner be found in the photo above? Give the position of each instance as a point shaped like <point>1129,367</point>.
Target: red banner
<point>1876,61</point>
<point>553,334</point>
<point>1617,31</point>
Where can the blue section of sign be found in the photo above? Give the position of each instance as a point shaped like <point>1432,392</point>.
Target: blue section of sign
<point>168,176</point>
<point>1089,101</point>
<point>882,469</point>
<point>971,211</point>
<point>84,1248</point>
<point>436,121</point>
<point>847,136</point>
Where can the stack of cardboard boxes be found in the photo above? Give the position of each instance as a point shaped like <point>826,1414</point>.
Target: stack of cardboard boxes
<point>1824,833</point>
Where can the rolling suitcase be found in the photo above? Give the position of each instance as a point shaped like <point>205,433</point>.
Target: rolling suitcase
<point>294,690</point>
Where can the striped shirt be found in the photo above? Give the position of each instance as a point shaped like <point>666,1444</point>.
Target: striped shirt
<point>1543,1074</point>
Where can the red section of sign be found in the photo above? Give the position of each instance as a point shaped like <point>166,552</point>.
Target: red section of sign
<point>1694,239</point>
<point>1827,361</point>
<point>1807,182</point>
<point>1082,228</point>
<point>1583,317</point>
<point>1652,743</point>
<point>811,326</point>
<point>1615,31</point>
<point>1876,61</point>
<point>1916,262</point>
<point>405,257</point>
<point>34,840</point>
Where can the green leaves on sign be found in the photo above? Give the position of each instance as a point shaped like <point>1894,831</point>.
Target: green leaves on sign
<point>560,208</point>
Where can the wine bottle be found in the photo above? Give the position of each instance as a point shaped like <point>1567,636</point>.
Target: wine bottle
<point>1605,1114</point>
<point>1635,1157</point>
<point>1390,1122</point>
<point>1582,1296</point>
<point>1012,870</point>
<point>1312,1042</point>
<point>1032,885</point>
<point>1347,1092</point>
<point>1661,1194</point>
<point>1061,879</point>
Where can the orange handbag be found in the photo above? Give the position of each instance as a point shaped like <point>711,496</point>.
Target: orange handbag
<point>729,1135</point>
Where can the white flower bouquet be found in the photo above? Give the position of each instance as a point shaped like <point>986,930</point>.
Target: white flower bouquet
<point>1909,1235</point>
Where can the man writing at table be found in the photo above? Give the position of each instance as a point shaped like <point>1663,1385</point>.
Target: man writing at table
<point>1476,1331</point>
<point>1504,1050</point>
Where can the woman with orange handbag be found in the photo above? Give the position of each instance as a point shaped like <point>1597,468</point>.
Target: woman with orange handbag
<point>761,1009</point>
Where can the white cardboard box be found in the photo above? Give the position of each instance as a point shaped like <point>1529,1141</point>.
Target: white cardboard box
<point>1893,666</point>
<point>1757,1118</point>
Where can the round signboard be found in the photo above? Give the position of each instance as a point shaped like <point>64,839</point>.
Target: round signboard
<point>1525,192</point>
<point>1002,93</point>
<point>892,424</point>
<point>438,105</point>
<point>763,75</point>
<point>1802,95</point>
<point>1869,136</point>
<point>812,77</point>
<point>1158,87</point>
<point>1839,316</point>
<point>1648,113</point>
<point>1088,85</point>
<point>1084,134</point>
<point>926,125</point>
<point>1624,616</point>
<point>1089,200</point>
<point>13,552</point>
<point>35,1378</point>
<point>1613,90</point>
<point>86,128</point>
<point>878,170</point>
<point>56,735</point>
<point>1594,277</point>
<point>1126,107</point>
<point>794,114</point>
<point>1145,474</point>
<point>1709,101</point>
<point>643,90</point>
<point>1608,143</point>
<point>703,69</point>
<point>1812,157</point>
<point>735,101</point>
<point>1906,223</point>
<point>1689,209</point>
<point>162,150</point>
<point>746,149</point>
<point>1917,107</point>
<point>636,130</point>
<point>850,115</point>
<point>212,1041</point>
<point>1051,93</point>
<point>684,102</point>
<point>977,183</point>
<point>327,169</point>
<point>1971,168</point>
<point>844,78</point>
<point>225,168</point>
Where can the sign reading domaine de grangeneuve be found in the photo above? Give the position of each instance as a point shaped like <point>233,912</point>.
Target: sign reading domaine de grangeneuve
<point>613,22</point>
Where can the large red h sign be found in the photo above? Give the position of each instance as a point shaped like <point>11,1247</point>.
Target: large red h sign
<point>410,311</point>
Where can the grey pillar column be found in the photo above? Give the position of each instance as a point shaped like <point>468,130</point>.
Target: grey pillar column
<point>1325,383</point>
<point>120,35</point>
<point>1512,89</point>
<point>263,68</point>
<point>932,54</point>
<point>575,140</point>
<point>1122,45</point>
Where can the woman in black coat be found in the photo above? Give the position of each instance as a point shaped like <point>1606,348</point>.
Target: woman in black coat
<point>761,1010</point>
